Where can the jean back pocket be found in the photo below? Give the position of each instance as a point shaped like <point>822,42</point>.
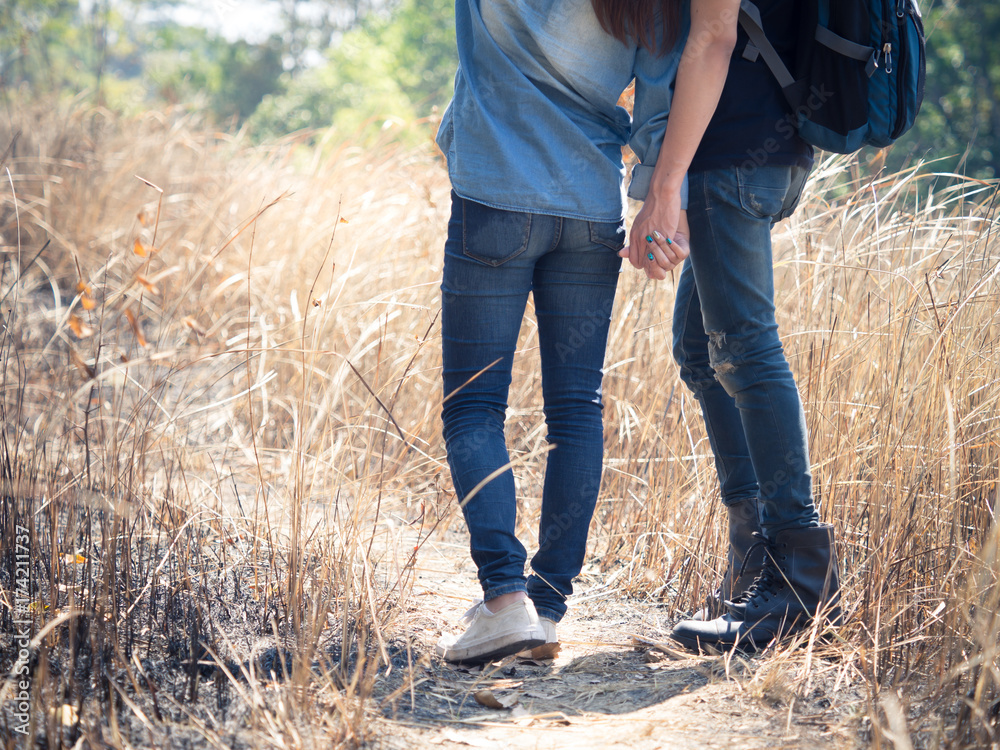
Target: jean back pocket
<point>763,193</point>
<point>611,234</point>
<point>492,235</point>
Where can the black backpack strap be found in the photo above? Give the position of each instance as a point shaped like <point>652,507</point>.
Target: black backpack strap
<point>750,52</point>
<point>847,48</point>
<point>750,21</point>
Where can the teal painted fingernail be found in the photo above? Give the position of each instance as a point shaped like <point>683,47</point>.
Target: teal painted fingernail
<point>650,256</point>
<point>669,242</point>
<point>648,238</point>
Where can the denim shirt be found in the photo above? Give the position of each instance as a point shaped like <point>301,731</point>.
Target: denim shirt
<point>535,125</point>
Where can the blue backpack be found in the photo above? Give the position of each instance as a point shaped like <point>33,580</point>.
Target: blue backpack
<point>858,74</point>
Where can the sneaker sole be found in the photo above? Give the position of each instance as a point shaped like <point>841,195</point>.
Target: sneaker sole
<point>497,653</point>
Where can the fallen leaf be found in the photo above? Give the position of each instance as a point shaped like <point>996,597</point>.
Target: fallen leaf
<point>488,699</point>
<point>639,643</point>
<point>344,221</point>
<point>469,739</point>
<point>136,329</point>
<point>77,360</point>
<point>147,284</point>
<point>193,325</point>
<point>86,293</point>
<point>79,328</point>
<point>540,653</point>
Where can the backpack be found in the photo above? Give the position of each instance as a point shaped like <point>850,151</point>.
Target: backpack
<point>858,72</point>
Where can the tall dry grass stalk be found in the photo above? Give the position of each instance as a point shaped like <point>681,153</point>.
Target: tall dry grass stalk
<point>203,346</point>
<point>221,437</point>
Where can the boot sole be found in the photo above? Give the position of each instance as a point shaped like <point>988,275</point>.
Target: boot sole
<point>695,645</point>
<point>745,645</point>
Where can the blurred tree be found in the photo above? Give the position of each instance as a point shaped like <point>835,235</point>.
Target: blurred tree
<point>394,65</point>
<point>960,117</point>
<point>312,26</point>
<point>192,66</point>
<point>357,86</point>
<point>182,63</point>
<point>29,30</point>
<point>422,37</point>
<point>248,73</point>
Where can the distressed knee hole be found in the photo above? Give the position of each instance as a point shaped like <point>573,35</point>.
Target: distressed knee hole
<point>722,362</point>
<point>716,338</point>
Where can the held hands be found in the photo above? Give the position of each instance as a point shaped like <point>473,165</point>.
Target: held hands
<point>658,241</point>
<point>663,255</point>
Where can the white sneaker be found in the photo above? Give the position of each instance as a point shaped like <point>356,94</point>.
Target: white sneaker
<point>550,630</point>
<point>491,635</point>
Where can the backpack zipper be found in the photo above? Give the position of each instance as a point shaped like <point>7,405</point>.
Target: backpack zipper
<point>885,27</point>
<point>901,80</point>
<point>883,55</point>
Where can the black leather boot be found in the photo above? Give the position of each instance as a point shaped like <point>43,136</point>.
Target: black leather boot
<point>741,571</point>
<point>799,581</point>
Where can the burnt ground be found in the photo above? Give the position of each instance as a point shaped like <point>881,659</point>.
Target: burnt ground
<point>205,658</point>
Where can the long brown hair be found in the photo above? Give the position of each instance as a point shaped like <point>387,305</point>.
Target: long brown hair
<point>636,20</point>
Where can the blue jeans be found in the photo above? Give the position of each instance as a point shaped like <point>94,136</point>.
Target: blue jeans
<point>493,259</point>
<point>726,342</point>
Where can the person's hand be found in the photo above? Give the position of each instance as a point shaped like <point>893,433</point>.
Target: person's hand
<point>657,243</point>
<point>682,240</point>
<point>680,246</point>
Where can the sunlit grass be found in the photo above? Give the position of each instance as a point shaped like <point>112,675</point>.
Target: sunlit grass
<point>225,439</point>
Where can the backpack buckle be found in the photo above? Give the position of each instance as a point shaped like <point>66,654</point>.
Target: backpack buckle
<point>872,64</point>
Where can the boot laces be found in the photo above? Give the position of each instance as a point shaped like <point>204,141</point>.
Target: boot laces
<point>770,580</point>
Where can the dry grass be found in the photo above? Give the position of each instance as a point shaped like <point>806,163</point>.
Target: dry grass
<point>226,450</point>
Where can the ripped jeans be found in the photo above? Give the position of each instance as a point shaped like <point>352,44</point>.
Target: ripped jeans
<point>726,342</point>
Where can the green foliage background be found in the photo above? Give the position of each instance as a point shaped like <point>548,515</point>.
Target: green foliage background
<point>358,65</point>
<point>398,65</point>
<point>959,123</point>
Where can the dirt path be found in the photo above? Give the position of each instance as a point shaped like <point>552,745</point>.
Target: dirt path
<point>608,686</point>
